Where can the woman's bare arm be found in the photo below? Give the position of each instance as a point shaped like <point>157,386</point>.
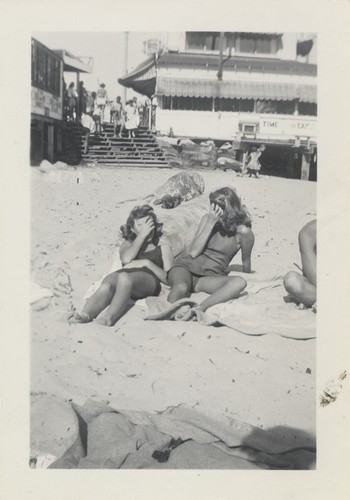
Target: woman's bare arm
<point>204,230</point>
<point>161,273</point>
<point>247,243</point>
<point>130,250</point>
<point>307,245</point>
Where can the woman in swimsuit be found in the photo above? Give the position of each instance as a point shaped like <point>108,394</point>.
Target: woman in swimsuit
<point>222,232</point>
<point>145,266</point>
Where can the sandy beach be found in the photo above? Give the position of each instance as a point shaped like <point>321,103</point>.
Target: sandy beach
<point>267,381</point>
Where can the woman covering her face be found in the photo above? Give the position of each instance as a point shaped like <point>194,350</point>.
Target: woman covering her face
<point>145,265</point>
<point>222,233</point>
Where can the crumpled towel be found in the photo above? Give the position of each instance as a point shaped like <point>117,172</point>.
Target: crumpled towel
<point>261,310</point>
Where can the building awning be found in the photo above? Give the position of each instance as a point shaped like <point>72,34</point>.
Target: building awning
<point>73,63</point>
<point>142,79</point>
<point>190,87</point>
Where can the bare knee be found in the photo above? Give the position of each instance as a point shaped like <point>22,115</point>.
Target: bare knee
<point>292,282</point>
<point>107,286</point>
<point>238,284</point>
<point>124,280</point>
<point>182,289</point>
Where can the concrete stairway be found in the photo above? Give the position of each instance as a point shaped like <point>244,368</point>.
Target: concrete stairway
<point>143,150</point>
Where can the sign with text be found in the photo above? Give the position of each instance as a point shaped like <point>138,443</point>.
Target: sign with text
<point>46,104</point>
<point>300,127</point>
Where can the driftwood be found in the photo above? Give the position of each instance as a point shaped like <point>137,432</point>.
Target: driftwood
<point>181,187</point>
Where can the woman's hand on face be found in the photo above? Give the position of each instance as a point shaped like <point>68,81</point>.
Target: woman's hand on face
<point>137,263</point>
<point>215,212</point>
<point>146,226</point>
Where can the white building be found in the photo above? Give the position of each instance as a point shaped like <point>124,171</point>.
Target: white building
<point>260,87</point>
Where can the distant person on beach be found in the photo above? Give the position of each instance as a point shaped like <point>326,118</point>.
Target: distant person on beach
<point>93,104</point>
<point>145,265</point>
<point>89,127</point>
<point>82,97</point>
<point>118,118</point>
<point>253,165</point>
<point>71,102</point>
<point>222,232</point>
<point>131,117</point>
<point>97,117</point>
<point>102,98</point>
<point>302,287</point>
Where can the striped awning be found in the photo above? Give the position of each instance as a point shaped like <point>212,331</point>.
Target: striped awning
<point>142,79</point>
<point>190,87</point>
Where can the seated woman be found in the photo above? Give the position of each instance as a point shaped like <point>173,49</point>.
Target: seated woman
<point>145,266</point>
<point>302,288</point>
<point>222,232</point>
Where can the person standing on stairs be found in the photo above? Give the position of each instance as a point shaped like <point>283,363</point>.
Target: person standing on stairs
<point>118,118</point>
<point>131,118</point>
<point>71,102</point>
<point>89,127</point>
<point>102,98</point>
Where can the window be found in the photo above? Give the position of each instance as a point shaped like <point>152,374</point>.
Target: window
<point>256,43</point>
<point>247,44</point>
<point>202,104</point>
<point>246,105</point>
<point>166,104</point>
<point>265,106</point>
<point>46,69</point>
<point>222,104</point>
<point>285,107</point>
<point>307,108</point>
<point>192,103</point>
<point>234,105</point>
<point>201,40</point>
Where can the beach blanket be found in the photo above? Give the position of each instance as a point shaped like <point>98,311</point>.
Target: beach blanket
<point>261,310</point>
<point>181,438</point>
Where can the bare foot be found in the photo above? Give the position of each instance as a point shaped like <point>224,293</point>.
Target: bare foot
<point>79,318</point>
<point>103,321</point>
<point>183,314</point>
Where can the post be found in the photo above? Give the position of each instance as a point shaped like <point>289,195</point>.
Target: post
<point>125,71</point>
<point>305,166</point>
<point>221,55</point>
<point>78,98</point>
<point>51,143</point>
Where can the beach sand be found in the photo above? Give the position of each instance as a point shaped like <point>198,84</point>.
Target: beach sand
<point>267,381</point>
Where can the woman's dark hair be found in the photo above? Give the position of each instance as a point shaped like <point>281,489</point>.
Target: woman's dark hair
<point>254,149</point>
<point>71,85</point>
<point>139,212</point>
<point>93,94</point>
<point>235,213</point>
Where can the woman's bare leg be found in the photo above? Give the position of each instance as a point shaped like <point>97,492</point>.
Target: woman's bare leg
<point>130,286</point>
<point>180,281</point>
<point>98,301</point>
<point>221,288</point>
<point>300,288</point>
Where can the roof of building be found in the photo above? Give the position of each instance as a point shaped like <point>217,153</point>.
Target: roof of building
<point>73,63</point>
<point>237,63</point>
<point>144,79</point>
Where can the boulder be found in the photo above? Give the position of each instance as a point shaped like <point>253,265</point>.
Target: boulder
<point>181,223</point>
<point>54,426</point>
<point>184,186</point>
